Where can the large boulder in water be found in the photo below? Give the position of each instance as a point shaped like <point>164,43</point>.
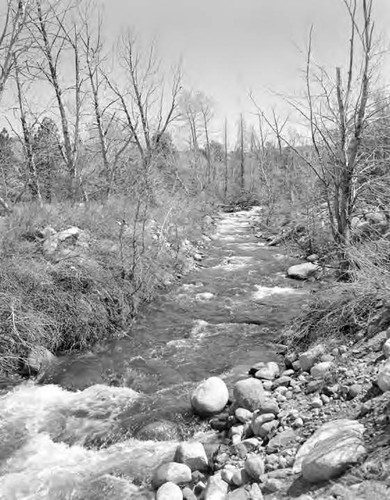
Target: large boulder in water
<point>210,397</point>
<point>162,430</point>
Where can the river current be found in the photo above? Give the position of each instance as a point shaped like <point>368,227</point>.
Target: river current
<point>74,436</point>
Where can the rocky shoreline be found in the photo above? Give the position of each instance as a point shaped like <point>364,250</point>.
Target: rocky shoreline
<point>307,430</point>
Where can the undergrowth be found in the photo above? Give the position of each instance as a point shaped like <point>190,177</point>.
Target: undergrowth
<point>73,298</point>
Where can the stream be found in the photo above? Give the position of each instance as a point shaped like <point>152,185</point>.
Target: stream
<point>76,436</point>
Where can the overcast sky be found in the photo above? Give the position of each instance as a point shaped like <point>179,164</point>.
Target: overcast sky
<point>230,47</point>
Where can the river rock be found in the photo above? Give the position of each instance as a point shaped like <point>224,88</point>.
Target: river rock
<point>281,441</point>
<point>319,370</point>
<point>254,466</point>
<point>386,348</point>
<point>249,393</point>
<point>243,415</point>
<point>302,271</point>
<point>308,359</point>
<point>193,455</point>
<point>265,370</point>
<point>384,377</point>
<point>216,489</point>
<point>188,494</point>
<point>328,433</point>
<point>255,492</point>
<point>171,472</point>
<point>332,456</point>
<point>265,429</point>
<point>239,494</point>
<point>210,397</point>
<point>162,430</point>
<point>39,359</point>
<point>169,491</point>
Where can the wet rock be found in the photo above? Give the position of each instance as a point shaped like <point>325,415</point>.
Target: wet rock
<point>265,370</point>
<point>302,271</point>
<point>254,466</point>
<point>319,370</point>
<point>249,393</point>
<point>39,359</point>
<point>163,430</point>
<point>329,433</point>
<point>193,455</point>
<point>210,397</point>
<point>308,359</point>
<point>171,472</point>
<point>216,489</point>
<point>169,491</point>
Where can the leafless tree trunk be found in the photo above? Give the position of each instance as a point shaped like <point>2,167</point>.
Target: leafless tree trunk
<point>242,154</point>
<point>225,145</point>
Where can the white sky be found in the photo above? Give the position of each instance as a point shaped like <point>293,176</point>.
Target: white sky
<point>230,47</point>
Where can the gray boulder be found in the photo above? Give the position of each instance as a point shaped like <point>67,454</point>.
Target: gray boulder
<point>169,491</point>
<point>249,393</point>
<point>303,271</point>
<point>193,455</point>
<point>330,449</point>
<point>171,472</point>
<point>210,397</point>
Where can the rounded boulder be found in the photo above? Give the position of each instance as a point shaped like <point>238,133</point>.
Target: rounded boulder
<point>210,397</point>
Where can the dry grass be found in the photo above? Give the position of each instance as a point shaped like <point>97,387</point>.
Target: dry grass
<point>72,302</point>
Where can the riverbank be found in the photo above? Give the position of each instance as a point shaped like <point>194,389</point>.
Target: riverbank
<point>72,275</point>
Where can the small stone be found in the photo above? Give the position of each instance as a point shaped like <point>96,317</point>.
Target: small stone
<point>386,348</point>
<point>240,477</point>
<point>239,494</point>
<point>281,381</point>
<point>354,391</point>
<point>169,491</point>
<point>265,370</point>
<point>227,475</point>
<point>193,455</point>
<point>259,420</point>
<point>319,370</point>
<point>302,271</point>
<point>216,489</point>
<point>314,386</point>
<point>296,366</point>
<point>267,384</point>
<point>272,485</point>
<point>384,377</point>
<point>316,403</point>
<point>243,415</point>
<point>289,359</point>
<point>298,422</point>
<point>308,359</point>
<point>188,494</point>
<point>267,428</point>
<point>254,466</point>
<point>255,492</point>
<point>325,399</point>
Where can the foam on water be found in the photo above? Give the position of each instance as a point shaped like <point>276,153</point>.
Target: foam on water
<point>264,291</point>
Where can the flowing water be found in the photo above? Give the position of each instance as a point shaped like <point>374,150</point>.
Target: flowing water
<point>75,436</point>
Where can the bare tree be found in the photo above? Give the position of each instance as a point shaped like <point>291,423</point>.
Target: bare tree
<point>149,100</point>
<point>56,36</point>
<point>15,15</point>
